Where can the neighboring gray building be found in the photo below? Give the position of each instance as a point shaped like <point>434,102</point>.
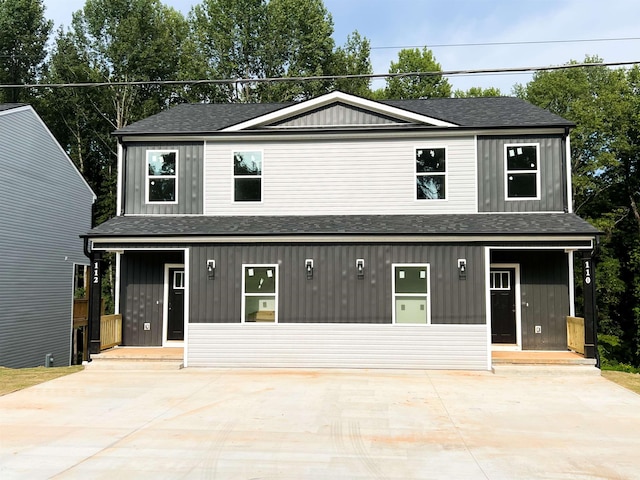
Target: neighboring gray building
<point>344,232</point>
<point>46,205</point>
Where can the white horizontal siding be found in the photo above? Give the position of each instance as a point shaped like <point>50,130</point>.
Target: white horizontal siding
<point>368,176</point>
<point>337,346</point>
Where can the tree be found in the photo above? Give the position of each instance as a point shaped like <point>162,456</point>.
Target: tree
<point>478,92</point>
<point>256,39</point>
<point>605,151</point>
<point>354,59</point>
<point>416,86</point>
<point>23,37</point>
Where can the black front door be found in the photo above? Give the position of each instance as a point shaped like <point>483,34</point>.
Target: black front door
<point>175,311</point>
<point>503,306</point>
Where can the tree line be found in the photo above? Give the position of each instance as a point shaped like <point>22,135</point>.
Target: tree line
<point>112,41</point>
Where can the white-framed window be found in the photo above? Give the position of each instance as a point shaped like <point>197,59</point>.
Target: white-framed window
<point>162,176</point>
<point>178,280</point>
<point>431,173</point>
<point>500,280</point>
<point>247,176</point>
<point>411,286</point>
<point>522,171</point>
<point>260,293</point>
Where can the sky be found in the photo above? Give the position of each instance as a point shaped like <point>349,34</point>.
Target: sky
<point>443,26</point>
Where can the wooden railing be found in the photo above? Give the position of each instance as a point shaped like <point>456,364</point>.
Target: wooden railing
<point>110,331</point>
<point>575,334</point>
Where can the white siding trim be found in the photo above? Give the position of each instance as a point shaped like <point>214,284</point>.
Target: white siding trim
<point>572,285</point>
<point>487,302</point>
<point>297,345</point>
<point>119,175</point>
<point>569,179</point>
<point>187,287</point>
<point>117,285</point>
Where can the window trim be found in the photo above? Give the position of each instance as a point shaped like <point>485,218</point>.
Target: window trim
<point>444,174</point>
<point>245,294</point>
<point>417,295</point>
<point>234,176</point>
<point>492,276</point>
<point>507,171</point>
<point>149,177</point>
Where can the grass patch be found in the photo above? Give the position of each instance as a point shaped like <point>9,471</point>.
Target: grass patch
<point>14,379</point>
<point>627,380</point>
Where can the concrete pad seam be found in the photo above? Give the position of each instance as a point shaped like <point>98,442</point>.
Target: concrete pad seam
<point>459,433</point>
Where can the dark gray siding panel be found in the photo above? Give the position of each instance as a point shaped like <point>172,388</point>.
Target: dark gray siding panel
<point>491,171</point>
<point>190,179</point>
<point>142,295</point>
<point>335,294</point>
<point>544,277</point>
<point>45,207</point>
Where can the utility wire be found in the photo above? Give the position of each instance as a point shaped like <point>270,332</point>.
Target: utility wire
<point>493,44</point>
<point>445,73</point>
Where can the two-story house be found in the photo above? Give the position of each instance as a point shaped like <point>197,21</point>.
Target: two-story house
<point>344,232</point>
<point>46,206</point>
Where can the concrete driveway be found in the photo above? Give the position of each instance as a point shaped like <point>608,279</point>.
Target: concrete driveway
<point>321,424</point>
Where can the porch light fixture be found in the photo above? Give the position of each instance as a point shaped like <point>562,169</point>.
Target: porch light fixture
<point>462,268</point>
<point>360,267</point>
<point>308,267</point>
<point>211,269</point>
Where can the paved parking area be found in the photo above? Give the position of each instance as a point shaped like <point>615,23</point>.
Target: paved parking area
<point>321,424</point>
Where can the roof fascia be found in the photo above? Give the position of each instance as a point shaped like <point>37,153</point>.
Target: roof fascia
<point>17,108</point>
<point>253,135</point>
<point>530,239</point>
<point>334,97</point>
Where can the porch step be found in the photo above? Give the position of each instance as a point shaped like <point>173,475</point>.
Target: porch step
<point>545,370</point>
<point>138,358</point>
<point>547,363</point>
<point>126,364</point>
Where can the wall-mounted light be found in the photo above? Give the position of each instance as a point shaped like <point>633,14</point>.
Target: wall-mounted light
<point>462,268</point>
<point>360,267</point>
<point>211,269</point>
<point>308,267</point>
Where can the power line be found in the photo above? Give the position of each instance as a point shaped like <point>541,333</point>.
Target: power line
<point>493,44</point>
<point>445,73</point>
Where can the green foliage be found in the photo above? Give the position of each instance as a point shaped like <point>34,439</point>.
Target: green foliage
<point>478,92</point>
<point>23,37</point>
<point>605,151</point>
<point>416,86</point>
<point>354,59</point>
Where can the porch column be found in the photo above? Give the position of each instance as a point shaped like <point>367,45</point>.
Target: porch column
<point>590,313</point>
<point>95,301</point>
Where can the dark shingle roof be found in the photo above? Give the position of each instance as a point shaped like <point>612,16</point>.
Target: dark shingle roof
<point>327,225</point>
<point>483,112</point>
<point>11,106</point>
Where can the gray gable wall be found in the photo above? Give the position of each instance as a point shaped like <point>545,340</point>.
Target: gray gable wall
<point>46,206</point>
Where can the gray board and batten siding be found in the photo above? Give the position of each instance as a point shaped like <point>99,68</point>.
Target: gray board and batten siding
<point>142,294</point>
<point>544,290</point>
<point>491,175</point>
<point>190,177</point>
<point>46,207</point>
<point>335,294</point>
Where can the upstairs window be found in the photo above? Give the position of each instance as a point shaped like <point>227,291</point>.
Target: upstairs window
<point>522,171</point>
<point>247,176</point>
<point>162,176</point>
<point>431,173</point>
